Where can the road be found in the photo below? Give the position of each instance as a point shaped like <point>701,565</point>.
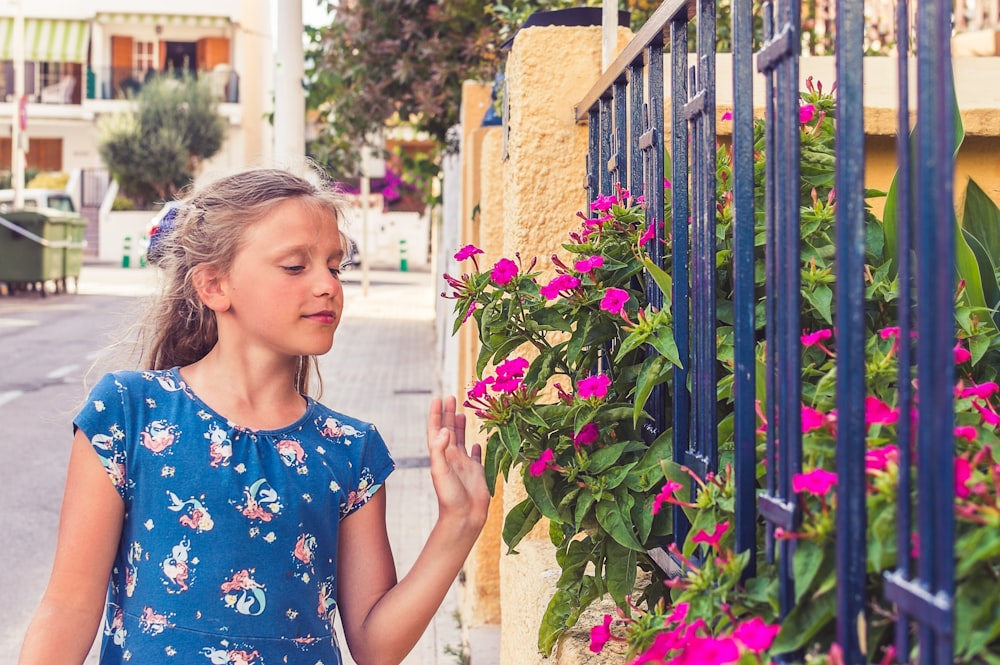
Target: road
<point>48,346</point>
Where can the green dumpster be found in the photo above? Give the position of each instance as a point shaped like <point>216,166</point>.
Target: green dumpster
<point>40,245</point>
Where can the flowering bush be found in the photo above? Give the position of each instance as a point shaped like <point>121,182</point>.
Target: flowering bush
<point>567,365</point>
<point>564,371</point>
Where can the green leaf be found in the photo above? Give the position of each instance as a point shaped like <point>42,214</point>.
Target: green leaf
<point>663,341</point>
<point>654,372</point>
<point>987,275</point>
<point>805,620</point>
<point>806,563</point>
<point>613,518</point>
<point>539,489</point>
<point>605,457</point>
<point>630,343</point>
<point>519,522</point>
<point>510,438</point>
<point>549,318</point>
<point>969,270</point>
<point>662,279</point>
<point>492,462</point>
<point>821,298</point>
<point>619,571</point>
<point>583,505</point>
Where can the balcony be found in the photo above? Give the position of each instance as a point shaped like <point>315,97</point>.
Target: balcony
<point>110,83</point>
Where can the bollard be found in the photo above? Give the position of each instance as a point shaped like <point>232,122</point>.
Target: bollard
<point>143,247</point>
<point>403,262</point>
<point>127,252</point>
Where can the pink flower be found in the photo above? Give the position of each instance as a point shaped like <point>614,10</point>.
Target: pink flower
<point>539,466</point>
<point>589,264</point>
<point>478,389</point>
<point>988,414</point>
<point>966,432</point>
<point>679,613</point>
<point>560,283</point>
<point>600,635</point>
<point>728,115</point>
<point>509,375</point>
<point>593,386</point>
<point>614,300</point>
<point>963,472</point>
<point>666,184</point>
<point>877,459</point>
<point>666,495</point>
<point>812,419</point>
<point>962,354</point>
<point>467,252</point>
<point>708,651</point>
<point>982,391</point>
<point>878,412</point>
<point>756,635</point>
<point>603,203</point>
<point>814,338</point>
<point>713,539</point>
<point>806,113</point>
<point>886,333</point>
<point>587,435</point>
<point>469,312</point>
<point>817,482</point>
<point>649,234</point>
<point>504,271</point>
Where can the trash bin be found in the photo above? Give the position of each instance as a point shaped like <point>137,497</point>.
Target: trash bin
<point>40,245</point>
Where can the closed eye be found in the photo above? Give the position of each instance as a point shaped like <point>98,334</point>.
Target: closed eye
<point>293,269</point>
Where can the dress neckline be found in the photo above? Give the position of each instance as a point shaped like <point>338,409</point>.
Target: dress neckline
<point>297,424</point>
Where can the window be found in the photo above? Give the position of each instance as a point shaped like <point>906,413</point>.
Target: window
<point>143,59</point>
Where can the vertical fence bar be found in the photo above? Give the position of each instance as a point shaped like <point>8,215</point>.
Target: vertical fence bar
<point>618,161</point>
<point>650,141</point>
<point>636,126</point>
<point>905,277</point>
<point>935,330</point>
<point>605,138</point>
<point>851,546</point>
<point>591,181</point>
<point>679,230</point>
<point>770,295</point>
<point>779,60</point>
<point>928,598</point>
<point>744,382</point>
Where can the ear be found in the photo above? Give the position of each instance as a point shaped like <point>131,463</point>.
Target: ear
<point>209,284</point>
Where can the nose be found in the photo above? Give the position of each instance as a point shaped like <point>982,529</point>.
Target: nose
<point>327,285</point>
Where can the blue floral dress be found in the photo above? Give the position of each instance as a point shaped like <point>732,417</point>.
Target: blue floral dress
<point>228,555</point>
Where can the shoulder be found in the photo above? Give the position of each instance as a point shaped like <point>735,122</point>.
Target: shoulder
<point>335,423</point>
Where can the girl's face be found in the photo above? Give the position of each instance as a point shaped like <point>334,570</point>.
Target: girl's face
<point>284,289</point>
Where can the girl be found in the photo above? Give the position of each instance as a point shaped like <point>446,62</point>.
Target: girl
<point>241,514</point>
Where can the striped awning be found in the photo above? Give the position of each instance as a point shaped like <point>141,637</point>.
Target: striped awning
<point>185,20</point>
<point>48,40</point>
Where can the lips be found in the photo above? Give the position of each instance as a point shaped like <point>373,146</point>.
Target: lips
<point>325,317</point>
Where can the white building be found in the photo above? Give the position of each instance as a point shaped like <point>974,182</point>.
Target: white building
<point>84,56</point>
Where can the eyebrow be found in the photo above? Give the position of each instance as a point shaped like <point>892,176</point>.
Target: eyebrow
<point>306,250</point>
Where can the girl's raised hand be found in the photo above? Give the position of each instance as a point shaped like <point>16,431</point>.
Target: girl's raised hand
<point>458,475</point>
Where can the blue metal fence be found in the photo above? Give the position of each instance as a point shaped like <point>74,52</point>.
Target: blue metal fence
<point>627,129</point>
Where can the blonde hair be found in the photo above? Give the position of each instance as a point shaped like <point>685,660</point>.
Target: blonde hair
<point>209,229</point>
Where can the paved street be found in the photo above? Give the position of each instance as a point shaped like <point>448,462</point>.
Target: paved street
<point>383,368</point>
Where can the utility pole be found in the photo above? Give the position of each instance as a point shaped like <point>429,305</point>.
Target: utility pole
<point>19,119</point>
<point>289,95</point>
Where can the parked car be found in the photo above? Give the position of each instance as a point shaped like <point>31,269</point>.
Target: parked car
<point>38,198</point>
<point>158,228</point>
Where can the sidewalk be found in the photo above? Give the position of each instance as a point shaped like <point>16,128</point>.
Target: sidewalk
<point>384,368</point>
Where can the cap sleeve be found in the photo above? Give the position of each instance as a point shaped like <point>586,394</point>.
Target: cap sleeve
<point>373,466</point>
<point>104,420</point>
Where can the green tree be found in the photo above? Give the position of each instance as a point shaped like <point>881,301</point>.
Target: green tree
<point>155,148</point>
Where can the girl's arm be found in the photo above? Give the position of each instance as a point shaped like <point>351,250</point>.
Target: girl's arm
<point>384,619</point>
<point>90,524</point>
